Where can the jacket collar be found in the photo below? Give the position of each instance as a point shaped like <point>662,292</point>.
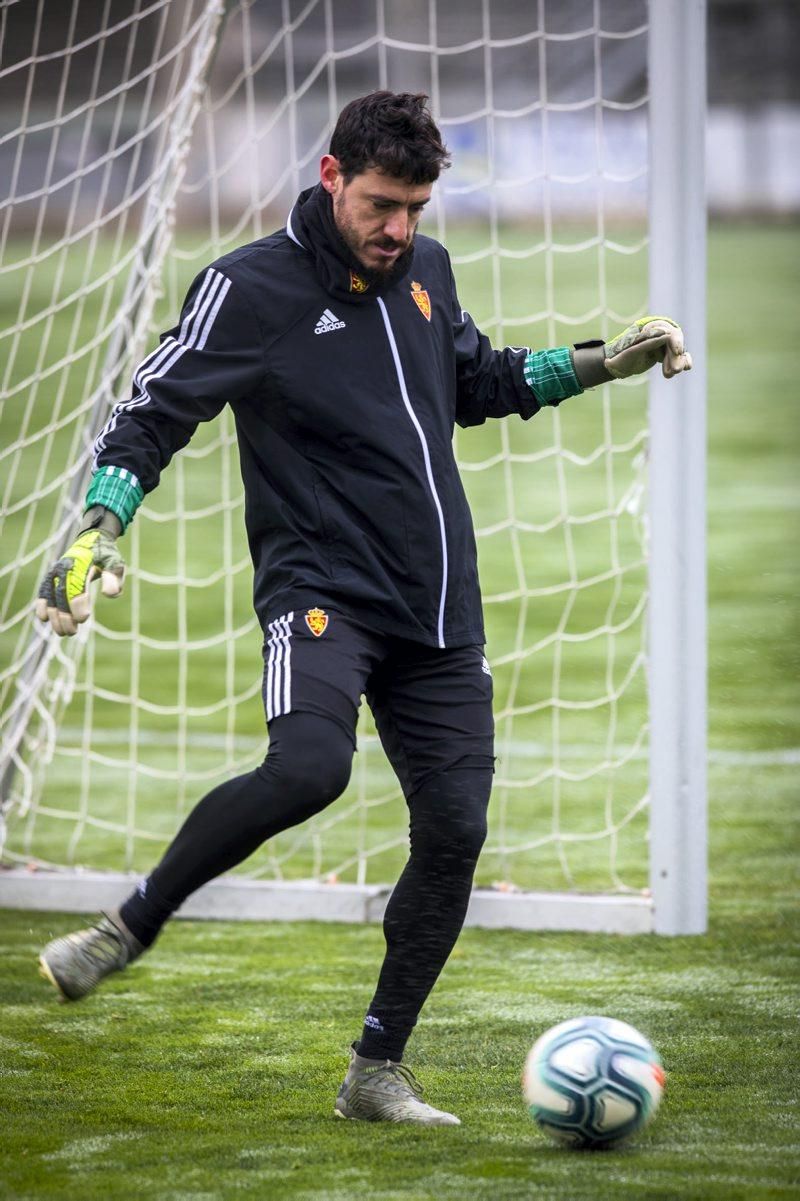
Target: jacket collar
<point>312,226</point>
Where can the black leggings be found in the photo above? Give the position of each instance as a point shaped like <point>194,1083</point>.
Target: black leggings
<point>308,767</point>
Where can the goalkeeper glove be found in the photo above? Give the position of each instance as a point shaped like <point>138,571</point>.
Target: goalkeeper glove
<point>64,593</point>
<point>636,349</point>
<point>648,341</point>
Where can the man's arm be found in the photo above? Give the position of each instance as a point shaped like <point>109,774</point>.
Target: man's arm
<point>496,383</point>
<point>213,355</point>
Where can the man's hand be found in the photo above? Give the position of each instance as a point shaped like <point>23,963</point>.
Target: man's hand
<point>64,593</point>
<point>648,341</point>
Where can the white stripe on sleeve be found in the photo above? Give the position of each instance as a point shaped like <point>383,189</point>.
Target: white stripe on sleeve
<point>193,335</point>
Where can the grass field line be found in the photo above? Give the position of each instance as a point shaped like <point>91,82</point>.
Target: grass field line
<point>519,748</point>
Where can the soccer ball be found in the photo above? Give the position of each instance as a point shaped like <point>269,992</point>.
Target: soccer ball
<point>592,1082</point>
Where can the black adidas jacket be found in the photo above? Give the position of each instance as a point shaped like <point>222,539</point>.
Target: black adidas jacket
<point>344,401</point>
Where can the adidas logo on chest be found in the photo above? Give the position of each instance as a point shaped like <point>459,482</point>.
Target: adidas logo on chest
<point>327,323</point>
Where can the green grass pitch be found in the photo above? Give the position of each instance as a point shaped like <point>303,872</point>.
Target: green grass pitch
<point>209,1070</point>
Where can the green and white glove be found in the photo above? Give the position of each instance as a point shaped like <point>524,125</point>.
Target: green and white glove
<point>648,341</point>
<point>64,593</point>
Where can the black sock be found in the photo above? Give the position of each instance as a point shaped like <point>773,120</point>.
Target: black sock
<point>145,912</point>
<point>380,1043</point>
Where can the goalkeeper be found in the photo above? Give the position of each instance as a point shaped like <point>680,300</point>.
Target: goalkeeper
<point>341,346</point>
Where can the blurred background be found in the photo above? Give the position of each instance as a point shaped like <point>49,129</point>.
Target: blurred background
<point>753,129</point>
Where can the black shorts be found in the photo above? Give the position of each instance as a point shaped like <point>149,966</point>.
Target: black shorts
<point>432,706</point>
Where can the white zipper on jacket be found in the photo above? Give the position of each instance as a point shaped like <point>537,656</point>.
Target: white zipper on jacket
<point>426,456</point>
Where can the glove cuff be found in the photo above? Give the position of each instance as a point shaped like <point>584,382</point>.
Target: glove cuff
<point>116,489</point>
<point>99,518</point>
<point>588,361</point>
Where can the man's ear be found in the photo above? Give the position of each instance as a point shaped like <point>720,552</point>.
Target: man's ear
<point>330,175</point>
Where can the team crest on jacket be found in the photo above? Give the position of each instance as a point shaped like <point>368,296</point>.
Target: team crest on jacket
<point>357,283</point>
<point>317,621</point>
<point>421,299</point>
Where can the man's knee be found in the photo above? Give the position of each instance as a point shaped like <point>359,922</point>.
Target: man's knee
<point>318,771</point>
<point>448,816</point>
<point>310,758</point>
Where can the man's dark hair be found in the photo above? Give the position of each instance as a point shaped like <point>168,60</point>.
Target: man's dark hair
<point>390,131</point>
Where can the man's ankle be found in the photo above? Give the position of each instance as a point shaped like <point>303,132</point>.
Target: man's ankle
<point>144,913</point>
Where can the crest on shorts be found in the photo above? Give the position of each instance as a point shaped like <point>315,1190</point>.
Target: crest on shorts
<point>421,299</point>
<point>317,621</point>
<point>357,283</point>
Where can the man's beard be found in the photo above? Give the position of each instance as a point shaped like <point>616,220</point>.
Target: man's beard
<point>382,275</point>
<point>372,275</point>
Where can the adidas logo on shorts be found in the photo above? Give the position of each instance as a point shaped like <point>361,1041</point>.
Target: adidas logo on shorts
<point>327,323</point>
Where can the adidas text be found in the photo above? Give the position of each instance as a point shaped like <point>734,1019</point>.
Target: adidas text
<point>327,323</point>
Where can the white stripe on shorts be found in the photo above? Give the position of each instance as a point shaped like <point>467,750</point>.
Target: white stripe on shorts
<point>278,684</point>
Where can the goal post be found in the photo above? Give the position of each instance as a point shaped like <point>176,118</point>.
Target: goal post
<point>170,135</point>
<point>677,638</point>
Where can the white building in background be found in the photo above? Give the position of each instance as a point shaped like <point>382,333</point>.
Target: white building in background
<point>753,159</point>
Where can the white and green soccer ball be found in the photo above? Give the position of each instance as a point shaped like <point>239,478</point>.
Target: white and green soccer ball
<point>592,1081</point>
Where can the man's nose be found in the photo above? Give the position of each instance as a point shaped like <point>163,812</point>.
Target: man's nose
<point>396,227</point>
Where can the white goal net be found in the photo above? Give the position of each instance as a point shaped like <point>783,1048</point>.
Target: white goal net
<point>140,140</point>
